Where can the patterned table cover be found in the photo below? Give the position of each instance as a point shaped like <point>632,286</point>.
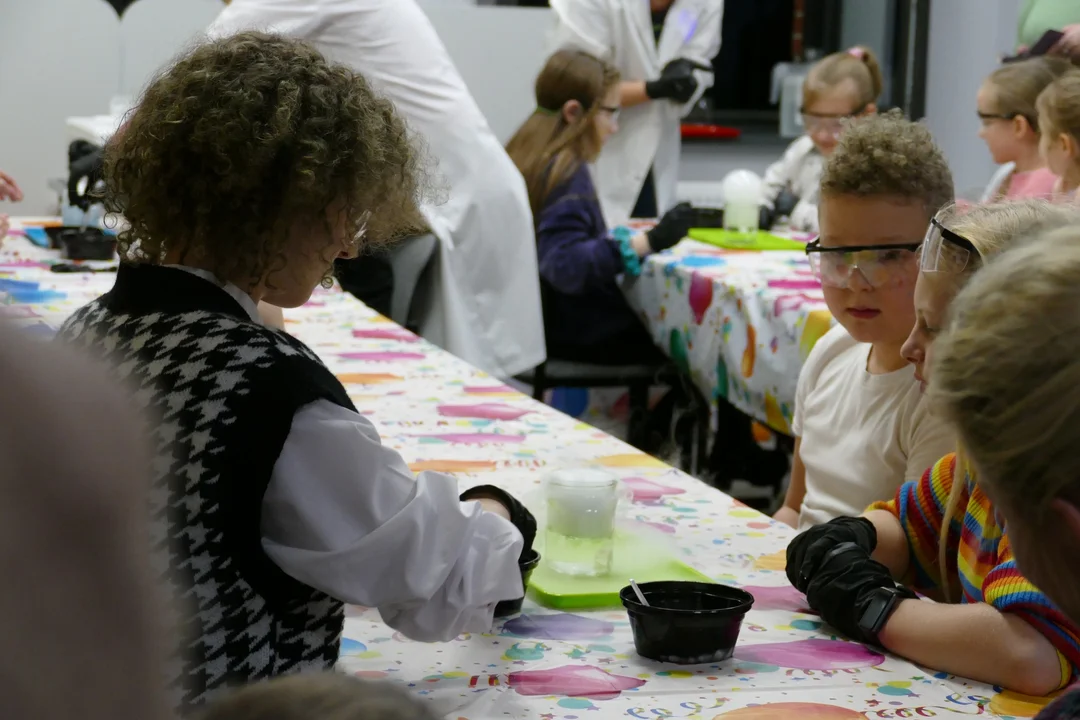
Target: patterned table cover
<point>444,415</point>
<point>740,323</point>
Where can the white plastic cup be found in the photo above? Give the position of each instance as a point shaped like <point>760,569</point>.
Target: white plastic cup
<point>580,532</point>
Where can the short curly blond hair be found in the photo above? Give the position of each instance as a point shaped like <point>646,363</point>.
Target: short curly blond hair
<point>888,155</point>
<point>245,137</point>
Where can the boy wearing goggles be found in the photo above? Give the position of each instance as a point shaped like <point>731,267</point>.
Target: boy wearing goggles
<point>861,427</point>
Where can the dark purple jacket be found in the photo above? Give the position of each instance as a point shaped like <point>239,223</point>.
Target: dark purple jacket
<point>579,263</point>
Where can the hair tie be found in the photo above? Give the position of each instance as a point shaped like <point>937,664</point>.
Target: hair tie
<point>857,52</point>
<point>546,111</point>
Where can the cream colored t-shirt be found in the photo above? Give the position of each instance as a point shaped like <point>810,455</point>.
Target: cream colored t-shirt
<point>862,435</point>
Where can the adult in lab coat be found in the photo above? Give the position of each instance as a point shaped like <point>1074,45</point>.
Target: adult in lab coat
<point>485,307</point>
<point>623,33</point>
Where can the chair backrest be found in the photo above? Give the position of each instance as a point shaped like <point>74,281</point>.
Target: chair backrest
<point>409,258</point>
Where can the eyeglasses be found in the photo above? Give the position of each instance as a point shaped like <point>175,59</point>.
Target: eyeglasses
<point>612,111</point>
<point>361,232</point>
<point>944,251</point>
<point>879,265</point>
<point>834,124</point>
<point>988,118</point>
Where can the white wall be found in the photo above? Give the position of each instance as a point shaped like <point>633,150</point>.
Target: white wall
<point>967,38</point>
<point>62,58</point>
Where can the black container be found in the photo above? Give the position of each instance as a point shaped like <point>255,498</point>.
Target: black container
<point>82,243</point>
<point>686,623</point>
<point>526,564</point>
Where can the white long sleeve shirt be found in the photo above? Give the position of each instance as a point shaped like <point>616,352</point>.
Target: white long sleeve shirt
<point>799,171</point>
<point>344,514</point>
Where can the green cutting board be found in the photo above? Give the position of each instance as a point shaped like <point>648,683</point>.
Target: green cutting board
<point>636,555</point>
<point>731,240</point>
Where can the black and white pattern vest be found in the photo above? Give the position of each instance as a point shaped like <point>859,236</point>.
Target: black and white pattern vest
<point>220,392</point>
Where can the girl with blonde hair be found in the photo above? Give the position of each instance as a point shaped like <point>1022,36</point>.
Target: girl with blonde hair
<point>840,86</point>
<point>1059,119</point>
<point>586,317</point>
<point>1006,375</point>
<point>940,535</point>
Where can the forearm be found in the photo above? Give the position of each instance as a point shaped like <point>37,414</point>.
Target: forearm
<point>892,550</point>
<point>632,92</point>
<point>788,516</point>
<point>974,641</point>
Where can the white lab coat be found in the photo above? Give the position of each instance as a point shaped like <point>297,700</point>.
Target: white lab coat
<point>486,301</point>
<point>621,32</point>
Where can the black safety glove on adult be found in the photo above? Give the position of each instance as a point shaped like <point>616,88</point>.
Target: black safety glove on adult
<point>785,203</point>
<point>843,587</point>
<point>673,227</point>
<point>520,516</point>
<point>676,82</point>
<point>805,552</point>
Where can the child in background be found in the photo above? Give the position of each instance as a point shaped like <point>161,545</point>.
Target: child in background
<point>861,426</point>
<point>1059,120</point>
<point>840,86</point>
<point>318,696</point>
<point>940,535</point>
<point>586,317</point>
<point>247,168</point>
<point>1006,375</point>
<point>9,190</point>
<point>1010,127</point>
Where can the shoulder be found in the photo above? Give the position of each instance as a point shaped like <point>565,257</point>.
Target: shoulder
<point>578,185</point>
<point>800,148</point>
<point>832,345</point>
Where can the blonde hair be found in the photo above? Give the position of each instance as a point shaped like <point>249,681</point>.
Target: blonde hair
<point>326,696</point>
<point>1059,105</point>
<point>991,229</point>
<point>1017,86</point>
<point>546,148</point>
<point>859,65</point>
<point>888,155</point>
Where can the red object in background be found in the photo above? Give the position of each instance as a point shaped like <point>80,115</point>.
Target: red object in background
<point>702,131</point>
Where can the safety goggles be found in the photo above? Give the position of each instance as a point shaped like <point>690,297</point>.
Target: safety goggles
<point>833,124</point>
<point>880,266</point>
<point>944,251</point>
<point>612,111</point>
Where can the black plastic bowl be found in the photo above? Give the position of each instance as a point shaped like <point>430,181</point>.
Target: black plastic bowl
<point>526,564</point>
<point>686,622</point>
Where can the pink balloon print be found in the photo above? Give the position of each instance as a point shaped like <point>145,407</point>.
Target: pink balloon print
<point>382,356</point>
<point>474,438</point>
<point>483,411</point>
<point>778,597</point>
<point>701,292</point>
<point>811,655</point>
<point>394,333</point>
<point>645,491</point>
<point>581,681</point>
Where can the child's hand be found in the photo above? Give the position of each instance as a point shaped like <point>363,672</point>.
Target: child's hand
<point>9,189</point>
<point>4,226</point>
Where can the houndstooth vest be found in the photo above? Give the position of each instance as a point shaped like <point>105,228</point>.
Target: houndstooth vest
<point>222,391</point>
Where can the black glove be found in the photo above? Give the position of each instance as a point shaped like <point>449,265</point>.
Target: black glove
<point>805,552</point>
<point>673,227</point>
<point>84,161</point>
<point>520,516</point>
<point>785,203</point>
<point>843,587</point>
<point>676,82</point>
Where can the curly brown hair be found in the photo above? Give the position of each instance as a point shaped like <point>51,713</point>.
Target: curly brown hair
<point>889,155</point>
<point>244,137</point>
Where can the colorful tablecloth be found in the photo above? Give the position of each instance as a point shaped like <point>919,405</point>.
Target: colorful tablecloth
<point>442,414</point>
<point>739,323</point>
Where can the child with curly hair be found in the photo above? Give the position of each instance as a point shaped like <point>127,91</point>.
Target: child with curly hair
<point>861,427</point>
<point>247,168</point>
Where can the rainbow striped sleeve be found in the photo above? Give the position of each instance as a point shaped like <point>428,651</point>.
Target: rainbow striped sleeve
<point>1009,591</point>
<point>920,507</point>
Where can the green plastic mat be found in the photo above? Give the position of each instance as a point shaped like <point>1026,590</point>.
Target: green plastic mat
<point>636,556</point>
<point>731,240</point>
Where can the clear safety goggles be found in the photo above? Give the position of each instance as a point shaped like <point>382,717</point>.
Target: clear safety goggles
<point>944,251</point>
<point>832,124</point>
<point>880,266</point>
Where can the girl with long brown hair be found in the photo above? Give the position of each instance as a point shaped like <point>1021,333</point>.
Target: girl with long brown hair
<point>586,317</point>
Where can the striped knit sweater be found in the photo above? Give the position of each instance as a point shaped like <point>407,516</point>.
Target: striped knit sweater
<point>979,557</point>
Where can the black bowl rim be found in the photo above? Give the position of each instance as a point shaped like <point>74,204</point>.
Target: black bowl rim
<point>745,600</point>
<point>530,560</point>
